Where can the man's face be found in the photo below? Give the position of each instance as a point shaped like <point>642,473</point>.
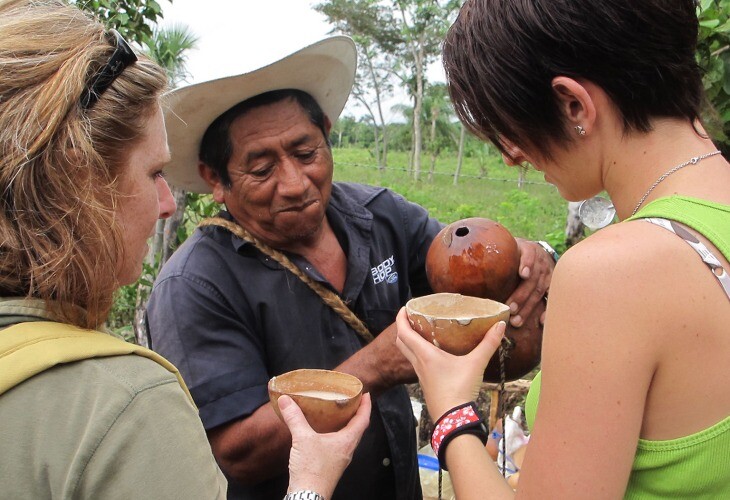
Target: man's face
<point>281,175</point>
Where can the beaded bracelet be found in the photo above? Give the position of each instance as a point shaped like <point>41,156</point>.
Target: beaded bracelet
<point>462,419</point>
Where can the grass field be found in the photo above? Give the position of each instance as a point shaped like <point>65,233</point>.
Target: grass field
<point>486,188</point>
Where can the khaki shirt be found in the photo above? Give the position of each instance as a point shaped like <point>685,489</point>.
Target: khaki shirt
<point>106,428</point>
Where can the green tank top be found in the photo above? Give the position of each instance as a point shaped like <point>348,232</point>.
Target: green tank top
<point>695,466</point>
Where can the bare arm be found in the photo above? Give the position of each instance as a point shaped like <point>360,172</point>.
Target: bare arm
<point>252,449</point>
<point>257,447</point>
<point>380,365</point>
<point>599,358</point>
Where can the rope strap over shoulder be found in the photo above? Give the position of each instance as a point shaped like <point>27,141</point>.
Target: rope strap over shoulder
<point>328,296</point>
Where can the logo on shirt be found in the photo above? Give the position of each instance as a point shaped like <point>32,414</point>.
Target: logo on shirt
<point>385,272</point>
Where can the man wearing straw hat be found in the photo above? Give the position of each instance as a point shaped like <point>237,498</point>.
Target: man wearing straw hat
<point>298,272</point>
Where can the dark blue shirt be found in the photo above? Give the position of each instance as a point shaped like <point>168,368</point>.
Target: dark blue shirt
<point>229,317</point>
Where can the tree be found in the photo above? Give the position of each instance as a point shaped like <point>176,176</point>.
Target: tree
<point>134,19</point>
<point>343,132</point>
<point>410,31</point>
<point>460,157</point>
<point>438,111</point>
<point>373,79</point>
<point>423,25</point>
<point>169,47</point>
<point>361,20</point>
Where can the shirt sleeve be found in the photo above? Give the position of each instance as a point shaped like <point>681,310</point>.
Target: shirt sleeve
<point>217,351</point>
<point>420,231</point>
<point>155,448</point>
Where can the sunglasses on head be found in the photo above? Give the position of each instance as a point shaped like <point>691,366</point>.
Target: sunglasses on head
<point>122,57</point>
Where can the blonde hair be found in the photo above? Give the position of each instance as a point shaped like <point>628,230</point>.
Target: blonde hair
<point>60,240</point>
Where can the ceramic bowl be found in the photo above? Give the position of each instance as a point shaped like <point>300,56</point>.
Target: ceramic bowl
<point>328,399</point>
<point>453,322</point>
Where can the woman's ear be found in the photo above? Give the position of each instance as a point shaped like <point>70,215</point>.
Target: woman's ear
<point>576,103</point>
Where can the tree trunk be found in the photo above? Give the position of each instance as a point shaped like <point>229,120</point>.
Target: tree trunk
<point>434,117</point>
<point>574,228</point>
<point>384,144</point>
<point>377,146</point>
<point>383,162</point>
<point>169,236</point>
<point>418,141</point>
<point>140,323</point>
<point>143,291</point>
<point>410,156</point>
<point>376,129</point>
<point>521,178</point>
<point>460,158</point>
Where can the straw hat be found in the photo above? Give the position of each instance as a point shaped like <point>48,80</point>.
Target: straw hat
<point>325,70</point>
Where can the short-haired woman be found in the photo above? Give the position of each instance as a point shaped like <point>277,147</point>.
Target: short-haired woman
<point>600,96</point>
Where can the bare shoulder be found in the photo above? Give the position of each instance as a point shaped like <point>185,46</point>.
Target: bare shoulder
<point>628,277</point>
<point>631,257</point>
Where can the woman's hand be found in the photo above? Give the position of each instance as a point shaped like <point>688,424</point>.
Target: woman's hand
<point>317,461</point>
<point>536,271</point>
<point>446,380</point>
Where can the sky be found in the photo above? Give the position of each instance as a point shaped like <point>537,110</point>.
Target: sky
<point>236,36</point>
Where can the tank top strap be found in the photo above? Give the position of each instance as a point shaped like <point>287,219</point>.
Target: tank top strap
<point>716,267</point>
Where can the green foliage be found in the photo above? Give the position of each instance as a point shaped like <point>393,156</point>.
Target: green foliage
<point>169,47</point>
<point>134,19</point>
<point>121,317</point>
<point>535,212</point>
<point>528,214</point>
<point>714,57</point>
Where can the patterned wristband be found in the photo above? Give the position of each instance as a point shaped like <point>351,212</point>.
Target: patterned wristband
<point>462,419</point>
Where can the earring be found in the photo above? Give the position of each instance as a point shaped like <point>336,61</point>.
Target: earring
<point>580,130</point>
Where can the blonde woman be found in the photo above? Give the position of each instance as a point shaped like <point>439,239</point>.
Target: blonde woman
<point>82,147</point>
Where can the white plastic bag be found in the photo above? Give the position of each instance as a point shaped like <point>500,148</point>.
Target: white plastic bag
<point>514,438</point>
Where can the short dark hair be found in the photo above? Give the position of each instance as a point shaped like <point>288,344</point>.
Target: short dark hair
<point>216,148</point>
<point>500,58</point>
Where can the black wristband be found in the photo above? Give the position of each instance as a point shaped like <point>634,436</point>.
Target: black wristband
<point>477,429</point>
<point>463,419</point>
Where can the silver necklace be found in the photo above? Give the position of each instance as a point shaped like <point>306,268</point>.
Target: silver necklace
<point>692,161</point>
<point>598,212</point>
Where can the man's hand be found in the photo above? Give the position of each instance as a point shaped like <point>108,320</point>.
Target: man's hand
<point>536,271</point>
<point>380,365</point>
